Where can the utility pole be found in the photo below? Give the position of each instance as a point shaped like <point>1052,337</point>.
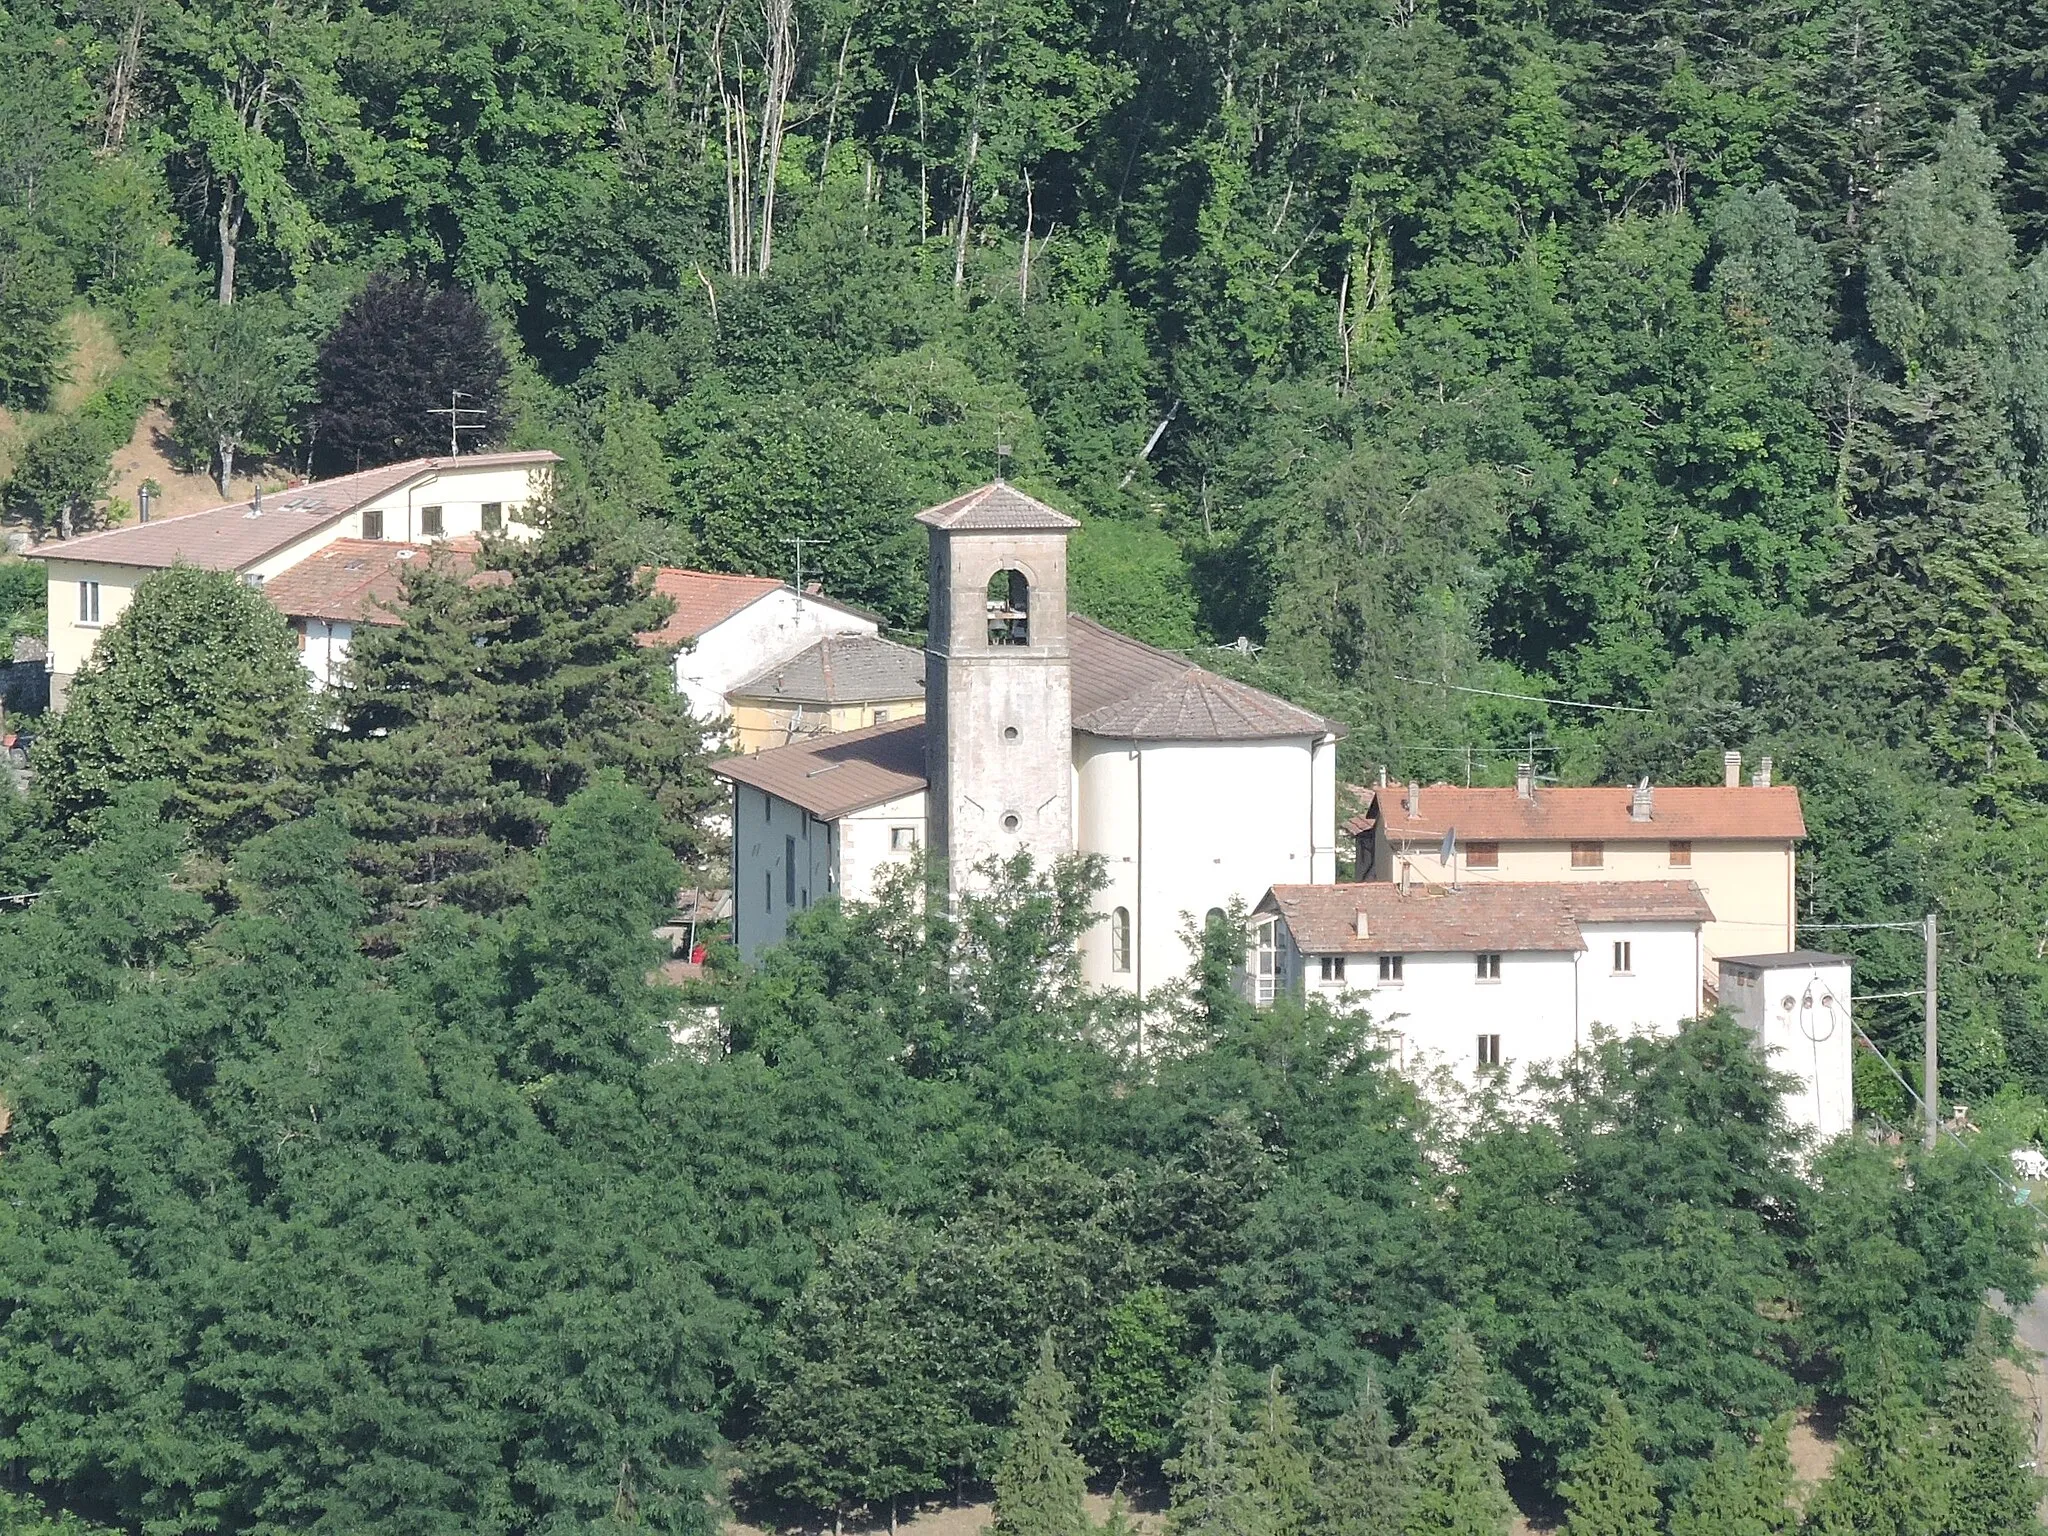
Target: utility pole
<point>1927,1057</point>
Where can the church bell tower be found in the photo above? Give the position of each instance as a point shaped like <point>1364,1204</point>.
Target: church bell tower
<point>998,691</point>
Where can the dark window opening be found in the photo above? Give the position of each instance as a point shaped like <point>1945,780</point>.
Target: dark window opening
<point>373,523</point>
<point>494,517</point>
<point>430,522</point>
<point>1009,609</point>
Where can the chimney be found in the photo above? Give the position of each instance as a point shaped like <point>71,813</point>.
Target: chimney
<point>1761,779</point>
<point>1406,867</point>
<point>259,502</point>
<point>1731,769</point>
<point>1383,775</point>
<point>1362,933</point>
<point>1640,802</point>
<point>1525,781</point>
<point>142,502</point>
<point>1414,800</point>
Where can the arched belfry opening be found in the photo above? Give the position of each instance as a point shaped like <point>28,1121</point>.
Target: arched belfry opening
<point>1009,608</point>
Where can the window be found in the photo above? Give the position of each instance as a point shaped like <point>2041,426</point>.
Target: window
<point>430,522</point>
<point>1267,964</point>
<point>789,871</point>
<point>1681,854</point>
<point>494,517</point>
<point>1333,967</point>
<point>1624,952</point>
<point>1489,967</point>
<point>1120,939</point>
<point>88,602</point>
<point>1390,970</point>
<point>1588,855</point>
<point>767,890</point>
<point>1009,609</point>
<point>902,839</point>
<point>881,717</point>
<point>1489,1050</point>
<point>373,523</point>
<point>1482,855</point>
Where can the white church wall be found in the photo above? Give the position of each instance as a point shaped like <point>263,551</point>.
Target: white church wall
<point>1106,780</point>
<point>774,627</point>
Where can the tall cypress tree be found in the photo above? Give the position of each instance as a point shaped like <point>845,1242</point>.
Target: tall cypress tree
<point>1993,1490</point>
<point>1361,1475</point>
<point>1040,1482</point>
<point>1455,1449</point>
<point>1213,1490</point>
<point>1888,1479</point>
<point>1611,1491</point>
<point>1744,1491</point>
<point>1277,1454</point>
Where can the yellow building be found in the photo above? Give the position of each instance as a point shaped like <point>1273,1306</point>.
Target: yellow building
<point>1738,843</point>
<point>842,683</point>
<point>421,501</point>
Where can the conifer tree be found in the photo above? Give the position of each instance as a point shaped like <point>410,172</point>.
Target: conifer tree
<point>1455,1449</point>
<point>1744,1490</point>
<point>1361,1475</point>
<point>1213,1490</point>
<point>1989,1452</point>
<point>1611,1491</point>
<point>1277,1454</point>
<point>1887,1479</point>
<point>1040,1482</point>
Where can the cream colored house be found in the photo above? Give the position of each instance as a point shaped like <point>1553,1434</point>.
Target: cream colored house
<point>421,501</point>
<point>1049,734</point>
<point>843,683</point>
<point>1738,843</point>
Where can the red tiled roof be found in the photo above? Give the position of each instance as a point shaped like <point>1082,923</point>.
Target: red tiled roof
<point>1126,689</point>
<point>1686,812</point>
<point>703,599</point>
<point>227,538</point>
<point>358,580</point>
<point>995,505</point>
<point>1506,916</point>
<point>834,776</point>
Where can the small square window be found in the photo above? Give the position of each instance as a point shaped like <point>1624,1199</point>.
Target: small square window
<point>1489,1050</point>
<point>494,517</point>
<point>902,838</point>
<point>1489,967</point>
<point>881,717</point>
<point>430,522</point>
<point>1681,854</point>
<point>1482,855</point>
<point>1333,967</point>
<point>1390,969</point>
<point>373,523</point>
<point>1588,855</point>
<point>1624,954</point>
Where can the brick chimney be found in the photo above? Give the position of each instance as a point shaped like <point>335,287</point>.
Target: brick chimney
<point>1362,933</point>
<point>1731,770</point>
<point>1642,801</point>
<point>1761,779</point>
<point>1525,781</point>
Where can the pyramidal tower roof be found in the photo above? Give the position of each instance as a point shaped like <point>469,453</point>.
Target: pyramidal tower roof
<point>997,505</point>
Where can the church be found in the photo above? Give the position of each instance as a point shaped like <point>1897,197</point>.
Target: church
<point>1047,733</point>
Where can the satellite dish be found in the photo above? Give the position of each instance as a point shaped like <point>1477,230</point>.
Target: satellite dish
<point>1449,847</point>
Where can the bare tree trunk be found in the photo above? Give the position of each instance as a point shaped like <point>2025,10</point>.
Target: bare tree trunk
<point>1344,326</point>
<point>230,225</point>
<point>224,449</point>
<point>779,66</point>
<point>924,189</point>
<point>1024,261</point>
<point>121,89</point>
<point>966,208</point>
<point>832,115</point>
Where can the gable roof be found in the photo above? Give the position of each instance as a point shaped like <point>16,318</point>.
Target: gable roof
<point>1503,916</point>
<point>1126,689</point>
<point>995,505</point>
<point>358,580</point>
<point>1686,812</point>
<point>706,599</point>
<point>834,776</point>
<point>229,537</point>
<point>840,669</point>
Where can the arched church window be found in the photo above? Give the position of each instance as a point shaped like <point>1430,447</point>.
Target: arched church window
<point>1120,939</point>
<point>1009,609</point>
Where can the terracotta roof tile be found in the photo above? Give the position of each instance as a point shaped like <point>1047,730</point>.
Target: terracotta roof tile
<point>358,580</point>
<point>1601,814</point>
<point>996,505</point>
<point>705,599</point>
<point>227,538</point>
<point>1126,689</point>
<point>834,776</point>
<point>840,669</point>
<point>1504,916</point>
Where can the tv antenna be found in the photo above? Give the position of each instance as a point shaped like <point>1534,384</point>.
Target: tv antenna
<point>799,543</point>
<point>455,410</point>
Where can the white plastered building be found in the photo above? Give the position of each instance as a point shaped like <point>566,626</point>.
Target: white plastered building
<point>1050,734</point>
<point>1797,1007</point>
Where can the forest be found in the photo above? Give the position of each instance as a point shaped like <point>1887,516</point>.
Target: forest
<point>1457,357</point>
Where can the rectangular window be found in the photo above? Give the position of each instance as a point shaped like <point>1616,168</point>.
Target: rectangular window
<point>902,839</point>
<point>1390,969</point>
<point>494,517</point>
<point>1588,855</point>
<point>373,523</point>
<point>767,890</point>
<point>1333,967</point>
<point>789,871</point>
<point>88,602</point>
<point>430,522</point>
<point>881,717</point>
<point>1489,1050</point>
<point>1489,967</point>
<point>1624,953</point>
<point>1482,855</point>
<point>1681,854</point>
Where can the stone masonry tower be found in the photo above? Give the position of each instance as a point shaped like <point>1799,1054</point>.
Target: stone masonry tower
<point>998,694</point>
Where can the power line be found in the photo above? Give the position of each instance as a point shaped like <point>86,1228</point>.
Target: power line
<point>1845,927</point>
<point>1526,698</point>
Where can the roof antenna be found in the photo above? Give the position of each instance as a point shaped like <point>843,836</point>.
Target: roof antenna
<point>1002,451</point>
<point>799,543</point>
<point>454,410</point>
